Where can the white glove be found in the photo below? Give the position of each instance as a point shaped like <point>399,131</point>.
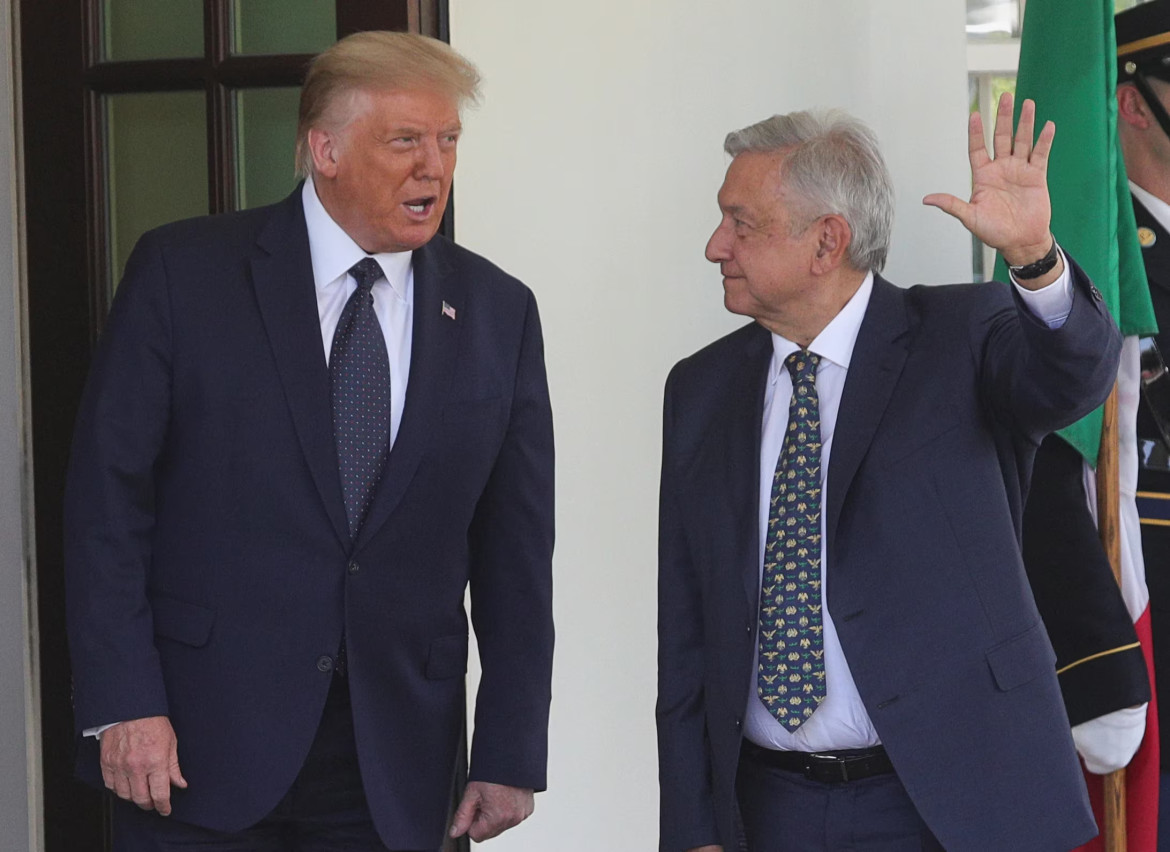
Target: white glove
<point>1109,742</point>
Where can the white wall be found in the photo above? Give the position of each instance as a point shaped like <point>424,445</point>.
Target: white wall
<point>19,780</point>
<point>590,172</point>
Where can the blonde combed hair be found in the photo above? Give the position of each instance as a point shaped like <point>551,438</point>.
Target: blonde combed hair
<point>376,61</point>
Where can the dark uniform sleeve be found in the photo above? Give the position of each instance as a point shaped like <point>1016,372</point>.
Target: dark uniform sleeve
<point>1098,658</point>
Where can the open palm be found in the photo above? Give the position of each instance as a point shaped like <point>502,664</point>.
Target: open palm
<point>1009,208</point>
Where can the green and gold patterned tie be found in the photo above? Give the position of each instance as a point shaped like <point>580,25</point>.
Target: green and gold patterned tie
<point>791,677</point>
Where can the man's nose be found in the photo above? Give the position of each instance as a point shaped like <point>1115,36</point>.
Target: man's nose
<point>429,160</point>
<point>719,246</point>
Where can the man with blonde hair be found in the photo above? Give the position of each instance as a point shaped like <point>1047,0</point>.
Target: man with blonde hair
<point>308,429</point>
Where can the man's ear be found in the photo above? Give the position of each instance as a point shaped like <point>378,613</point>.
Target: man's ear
<point>323,145</point>
<point>833,238</point>
<point>1132,108</point>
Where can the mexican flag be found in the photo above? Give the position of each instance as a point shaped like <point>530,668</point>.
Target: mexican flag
<point>1068,59</point>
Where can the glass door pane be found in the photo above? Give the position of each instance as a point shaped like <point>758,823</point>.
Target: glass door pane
<point>265,137</point>
<point>156,165</point>
<point>283,26</point>
<point>993,19</point>
<point>151,29</point>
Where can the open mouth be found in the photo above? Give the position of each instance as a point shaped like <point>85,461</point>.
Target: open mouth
<point>420,208</point>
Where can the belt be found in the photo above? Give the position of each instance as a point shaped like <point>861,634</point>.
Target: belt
<point>826,767</point>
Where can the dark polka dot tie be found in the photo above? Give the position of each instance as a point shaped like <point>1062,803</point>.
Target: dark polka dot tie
<point>359,377</point>
<point>791,677</point>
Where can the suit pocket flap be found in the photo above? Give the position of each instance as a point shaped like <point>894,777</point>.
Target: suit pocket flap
<point>184,622</point>
<point>1022,658</point>
<point>447,657</point>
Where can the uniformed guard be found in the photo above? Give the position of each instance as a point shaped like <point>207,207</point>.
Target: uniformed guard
<point>1143,92</point>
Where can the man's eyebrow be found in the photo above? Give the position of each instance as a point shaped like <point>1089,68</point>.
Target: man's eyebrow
<point>414,130</point>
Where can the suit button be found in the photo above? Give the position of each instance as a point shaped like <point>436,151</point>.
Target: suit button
<point>354,568</point>
<point>324,664</point>
<point>738,723</point>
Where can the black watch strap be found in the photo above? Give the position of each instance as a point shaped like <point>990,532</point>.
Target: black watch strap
<point>1036,268</point>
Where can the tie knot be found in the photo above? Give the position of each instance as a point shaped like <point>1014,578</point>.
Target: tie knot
<point>365,272</point>
<point>802,364</point>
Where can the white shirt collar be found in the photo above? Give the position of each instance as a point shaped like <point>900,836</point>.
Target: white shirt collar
<point>1158,208</point>
<point>333,250</point>
<point>836,340</point>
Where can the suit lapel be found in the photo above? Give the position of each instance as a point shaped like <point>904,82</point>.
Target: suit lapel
<point>727,465</point>
<point>878,357</point>
<point>745,430</point>
<point>434,344</point>
<point>282,276</point>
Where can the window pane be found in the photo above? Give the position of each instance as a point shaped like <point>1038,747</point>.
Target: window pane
<point>283,26</point>
<point>149,29</point>
<point>999,85</point>
<point>983,91</point>
<point>265,128</point>
<point>993,19</point>
<point>156,165</point>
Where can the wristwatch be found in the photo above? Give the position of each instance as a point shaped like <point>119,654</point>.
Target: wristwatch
<point>1037,268</point>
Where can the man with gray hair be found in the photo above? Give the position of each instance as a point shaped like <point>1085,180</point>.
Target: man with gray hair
<point>308,429</point>
<point>849,653</point>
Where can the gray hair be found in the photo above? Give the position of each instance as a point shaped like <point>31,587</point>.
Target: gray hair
<point>832,164</point>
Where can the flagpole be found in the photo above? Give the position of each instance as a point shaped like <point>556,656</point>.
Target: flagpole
<point>1113,833</point>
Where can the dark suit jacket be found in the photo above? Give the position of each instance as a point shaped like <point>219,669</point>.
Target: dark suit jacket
<point>210,572</point>
<point>948,392</point>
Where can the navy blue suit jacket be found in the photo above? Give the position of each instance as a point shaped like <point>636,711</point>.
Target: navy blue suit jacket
<point>209,568</point>
<point>948,393</point>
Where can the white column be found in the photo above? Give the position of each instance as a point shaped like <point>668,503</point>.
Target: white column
<point>590,171</point>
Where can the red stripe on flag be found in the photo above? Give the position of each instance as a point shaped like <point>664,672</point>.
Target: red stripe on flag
<point>1141,776</point>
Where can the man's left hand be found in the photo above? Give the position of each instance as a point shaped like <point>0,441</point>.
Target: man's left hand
<point>490,809</point>
<point>1009,208</point>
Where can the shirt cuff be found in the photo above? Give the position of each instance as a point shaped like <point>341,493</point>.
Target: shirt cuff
<point>1052,304</point>
<point>99,730</point>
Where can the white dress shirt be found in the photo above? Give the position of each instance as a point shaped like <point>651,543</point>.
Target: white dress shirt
<point>1158,208</point>
<point>841,721</point>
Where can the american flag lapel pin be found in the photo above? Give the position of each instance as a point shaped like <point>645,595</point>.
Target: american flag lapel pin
<point>448,311</point>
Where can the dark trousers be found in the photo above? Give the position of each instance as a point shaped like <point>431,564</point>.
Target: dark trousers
<point>783,811</point>
<point>324,811</point>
